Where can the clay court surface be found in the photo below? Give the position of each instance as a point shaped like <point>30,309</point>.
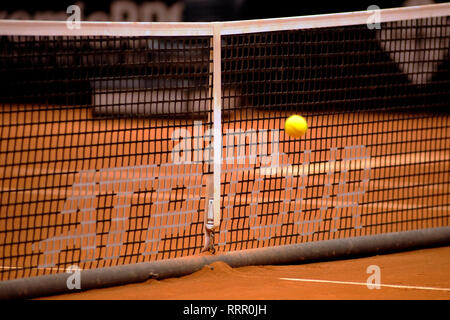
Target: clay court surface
<point>425,272</point>
<point>406,190</point>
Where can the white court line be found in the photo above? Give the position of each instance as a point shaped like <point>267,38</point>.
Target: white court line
<point>21,268</point>
<point>365,284</point>
<point>378,162</point>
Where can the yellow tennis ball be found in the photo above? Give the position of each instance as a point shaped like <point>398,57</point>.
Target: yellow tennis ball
<point>295,126</point>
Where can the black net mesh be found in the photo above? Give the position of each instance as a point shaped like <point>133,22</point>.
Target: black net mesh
<point>105,141</point>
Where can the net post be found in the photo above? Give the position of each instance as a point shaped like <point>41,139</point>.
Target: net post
<point>212,205</point>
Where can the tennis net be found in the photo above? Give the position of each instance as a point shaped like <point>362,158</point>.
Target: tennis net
<point>115,136</point>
